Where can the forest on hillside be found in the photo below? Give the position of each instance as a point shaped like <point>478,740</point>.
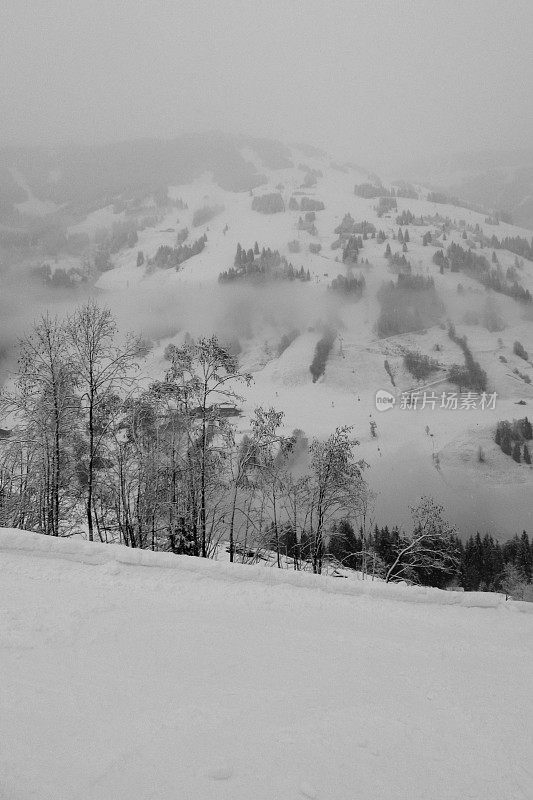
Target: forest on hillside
<point>90,444</point>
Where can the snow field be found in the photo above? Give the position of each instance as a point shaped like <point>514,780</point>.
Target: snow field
<point>191,680</point>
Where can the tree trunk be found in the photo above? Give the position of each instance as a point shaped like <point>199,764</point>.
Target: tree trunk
<point>202,484</point>
<point>232,523</point>
<point>90,471</point>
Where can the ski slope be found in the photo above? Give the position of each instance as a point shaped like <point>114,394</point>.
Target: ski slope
<point>492,495</point>
<point>136,676</point>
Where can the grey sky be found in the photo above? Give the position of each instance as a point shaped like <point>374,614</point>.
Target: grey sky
<point>363,78</point>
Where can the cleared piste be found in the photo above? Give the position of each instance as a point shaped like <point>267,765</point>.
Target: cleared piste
<point>127,674</point>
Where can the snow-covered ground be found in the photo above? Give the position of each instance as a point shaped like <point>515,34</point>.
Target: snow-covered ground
<point>129,675</point>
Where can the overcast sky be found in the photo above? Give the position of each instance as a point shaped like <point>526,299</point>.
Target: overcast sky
<point>363,78</point>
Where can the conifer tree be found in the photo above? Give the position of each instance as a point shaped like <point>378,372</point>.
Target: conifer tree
<point>516,452</point>
<point>524,557</point>
<point>527,456</point>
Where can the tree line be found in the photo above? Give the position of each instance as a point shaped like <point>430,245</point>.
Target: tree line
<point>410,304</point>
<point>259,266</point>
<point>488,565</point>
<point>97,447</point>
<point>441,558</point>
<point>457,259</point>
<point>167,257</point>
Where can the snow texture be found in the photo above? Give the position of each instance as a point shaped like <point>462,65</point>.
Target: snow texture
<point>130,675</point>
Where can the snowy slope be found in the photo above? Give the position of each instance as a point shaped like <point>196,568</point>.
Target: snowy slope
<point>493,495</point>
<point>140,676</point>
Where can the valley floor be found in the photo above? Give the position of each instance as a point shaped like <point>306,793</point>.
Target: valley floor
<point>153,677</point>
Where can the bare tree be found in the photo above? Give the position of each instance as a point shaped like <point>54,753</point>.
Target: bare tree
<point>429,548</point>
<point>242,458</point>
<point>335,487</point>
<point>102,369</point>
<point>20,492</point>
<point>514,582</point>
<point>368,555</point>
<point>44,410</point>
<point>272,451</point>
<point>205,373</point>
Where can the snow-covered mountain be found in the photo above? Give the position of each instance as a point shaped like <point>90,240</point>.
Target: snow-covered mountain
<point>428,451</point>
<point>449,454</point>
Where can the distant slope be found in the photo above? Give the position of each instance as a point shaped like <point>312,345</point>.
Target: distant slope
<point>430,451</point>
<point>87,177</point>
<point>498,181</point>
<point>479,495</point>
